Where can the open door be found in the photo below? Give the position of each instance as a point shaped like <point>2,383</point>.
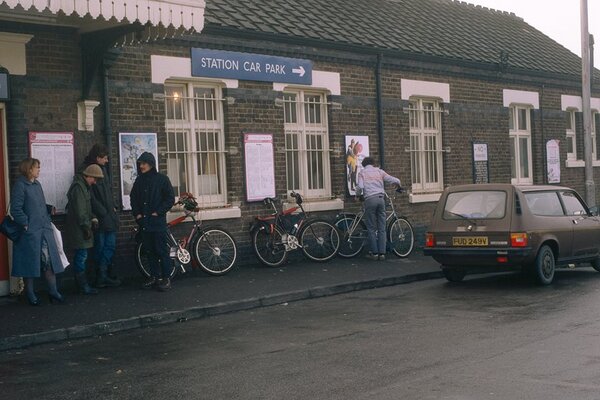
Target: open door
<point>4,266</point>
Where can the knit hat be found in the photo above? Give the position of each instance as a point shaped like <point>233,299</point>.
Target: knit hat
<point>94,171</point>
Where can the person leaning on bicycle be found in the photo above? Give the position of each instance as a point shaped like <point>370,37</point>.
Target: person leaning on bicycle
<point>151,198</point>
<point>371,187</point>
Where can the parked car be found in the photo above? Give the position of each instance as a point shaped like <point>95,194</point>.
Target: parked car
<point>503,227</point>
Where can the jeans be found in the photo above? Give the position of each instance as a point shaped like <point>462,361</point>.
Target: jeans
<point>157,247</point>
<point>375,220</point>
<point>104,247</point>
<point>79,260</point>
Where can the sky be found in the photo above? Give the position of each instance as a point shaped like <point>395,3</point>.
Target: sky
<point>558,19</point>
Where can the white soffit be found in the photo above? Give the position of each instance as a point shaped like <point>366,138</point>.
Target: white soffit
<point>179,13</point>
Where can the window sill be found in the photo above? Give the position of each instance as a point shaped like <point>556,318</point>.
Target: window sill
<point>317,205</point>
<point>580,163</point>
<point>210,214</point>
<point>423,197</point>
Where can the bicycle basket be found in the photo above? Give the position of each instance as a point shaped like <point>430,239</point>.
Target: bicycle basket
<point>188,202</point>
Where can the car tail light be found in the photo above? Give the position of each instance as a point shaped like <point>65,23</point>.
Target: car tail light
<point>502,259</point>
<point>518,239</point>
<point>429,240</point>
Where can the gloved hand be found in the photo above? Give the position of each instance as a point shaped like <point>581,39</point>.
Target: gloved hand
<point>87,233</point>
<point>95,223</point>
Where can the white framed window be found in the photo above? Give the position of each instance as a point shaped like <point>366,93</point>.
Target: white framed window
<point>519,123</point>
<point>426,164</point>
<point>571,134</point>
<point>307,143</point>
<point>196,141</point>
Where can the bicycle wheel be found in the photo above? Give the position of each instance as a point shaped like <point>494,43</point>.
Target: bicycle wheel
<point>215,251</point>
<point>269,246</point>
<point>351,242</point>
<point>320,240</point>
<point>401,237</point>
<point>143,262</point>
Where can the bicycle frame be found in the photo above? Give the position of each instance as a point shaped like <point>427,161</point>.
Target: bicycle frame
<point>359,216</point>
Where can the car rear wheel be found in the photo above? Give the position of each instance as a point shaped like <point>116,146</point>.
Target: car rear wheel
<point>453,275</point>
<point>596,264</point>
<point>544,266</point>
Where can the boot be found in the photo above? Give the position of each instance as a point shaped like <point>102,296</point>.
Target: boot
<point>84,287</point>
<point>103,280</point>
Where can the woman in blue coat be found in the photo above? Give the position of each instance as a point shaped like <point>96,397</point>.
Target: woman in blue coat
<point>35,251</point>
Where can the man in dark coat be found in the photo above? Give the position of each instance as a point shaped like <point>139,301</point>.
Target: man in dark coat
<point>80,219</point>
<point>151,198</point>
<point>105,209</point>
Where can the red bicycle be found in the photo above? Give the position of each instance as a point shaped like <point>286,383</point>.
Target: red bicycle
<point>214,249</point>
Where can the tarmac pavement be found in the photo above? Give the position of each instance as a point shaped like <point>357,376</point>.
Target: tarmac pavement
<point>197,295</point>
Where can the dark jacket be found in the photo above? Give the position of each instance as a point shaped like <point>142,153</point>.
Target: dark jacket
<point>151,193</point>
<point>28,207</point>
<point>103,202</point>
<point>79,214</point>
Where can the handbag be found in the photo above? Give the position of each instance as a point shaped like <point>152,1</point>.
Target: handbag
<point>10,228</point>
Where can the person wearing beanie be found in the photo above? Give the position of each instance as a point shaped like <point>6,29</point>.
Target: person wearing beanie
<point>105,209</point>
<point>80,221</point>
<point>151,198</point>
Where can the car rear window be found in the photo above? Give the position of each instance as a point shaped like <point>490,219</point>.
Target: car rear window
<point>544,203</point>
<point>485,204</point>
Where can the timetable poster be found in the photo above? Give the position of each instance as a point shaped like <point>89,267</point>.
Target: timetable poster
<point>56,153</point>
<point>260,166</point>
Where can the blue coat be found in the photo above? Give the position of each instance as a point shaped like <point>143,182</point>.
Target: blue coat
<point>28,207</point>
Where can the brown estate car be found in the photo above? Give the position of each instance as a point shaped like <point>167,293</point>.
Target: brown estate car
<point>502,227</point>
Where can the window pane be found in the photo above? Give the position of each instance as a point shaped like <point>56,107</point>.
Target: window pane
<point>429,115</point>
<point>523,119</point>
<point>415,159</point>
<point>174,102</point>
<point>176,171</point>
<point>314,146</point>
<point>413,115</point>
<point>524,157</point>
<point>292,162</point>
<point>475,205</point>
<point>312,109</point>
<point>511,118</point>
<point>289,108</point>
<point>204,104</point>
<point>513,158</point>
<point>207,163</point>
<point>544,203</point>
<point>570,144</point>
<point>569,120</point>
<point>572,204</point>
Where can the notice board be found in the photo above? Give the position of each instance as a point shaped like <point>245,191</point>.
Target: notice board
<point>481,168</point>
<point>259,166</point>
<point>56,153</point>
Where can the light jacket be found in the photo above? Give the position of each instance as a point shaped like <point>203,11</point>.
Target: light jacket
<point>371,181</point>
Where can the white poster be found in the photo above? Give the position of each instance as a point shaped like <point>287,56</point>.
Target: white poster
<point>260,166</point>
<point>553,161</point>
<point>357,148</point>
<point>131,146</point>
<point>57,160</point>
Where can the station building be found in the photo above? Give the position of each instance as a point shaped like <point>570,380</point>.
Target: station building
<point>440,92</point>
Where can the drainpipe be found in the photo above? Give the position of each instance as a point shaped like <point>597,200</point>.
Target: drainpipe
<point>544,150</point>
<point>380,111</point>
<point>105,100</point>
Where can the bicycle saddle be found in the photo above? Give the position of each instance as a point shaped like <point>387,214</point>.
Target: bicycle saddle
<point>269,200</point>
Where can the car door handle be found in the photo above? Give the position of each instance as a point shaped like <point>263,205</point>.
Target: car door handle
<point>575,222</point>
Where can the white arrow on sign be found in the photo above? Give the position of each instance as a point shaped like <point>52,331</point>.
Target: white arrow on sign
<point>300,71</point>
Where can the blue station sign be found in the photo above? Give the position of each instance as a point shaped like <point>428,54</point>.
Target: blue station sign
<point>4,94</point>
<point>252,67</point>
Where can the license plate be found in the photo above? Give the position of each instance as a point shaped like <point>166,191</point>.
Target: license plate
<point>470,241</point>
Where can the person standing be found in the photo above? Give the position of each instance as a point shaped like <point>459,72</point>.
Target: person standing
<point>371,184</point>
<point>80,222</point>
<point>36,250</point>
<point>151,198</point>
<point>105,209</point>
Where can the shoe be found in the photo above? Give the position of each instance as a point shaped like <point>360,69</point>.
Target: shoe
<point>164,285</point>
<point>382,257</point>
<point>84,286</point>
<point>372,256</point>
<point>103,280</point>
<point>59,298</point>
<point>150,283</point>
<point>34,302</point>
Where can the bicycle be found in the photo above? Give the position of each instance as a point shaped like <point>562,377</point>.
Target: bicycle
<point>400,233</point>
<point>275,235</point>
<point>214,249</point>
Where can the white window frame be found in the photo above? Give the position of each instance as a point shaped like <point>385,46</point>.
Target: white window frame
<point>193,131</point>
<point>516,135</point>
<point>571,133</point>
<point>427,170</point>
<point>300,150</point>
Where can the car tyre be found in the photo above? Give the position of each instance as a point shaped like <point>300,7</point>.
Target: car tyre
<point>545,266</point>
<point>596,264</point>
<point>454,275</point>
